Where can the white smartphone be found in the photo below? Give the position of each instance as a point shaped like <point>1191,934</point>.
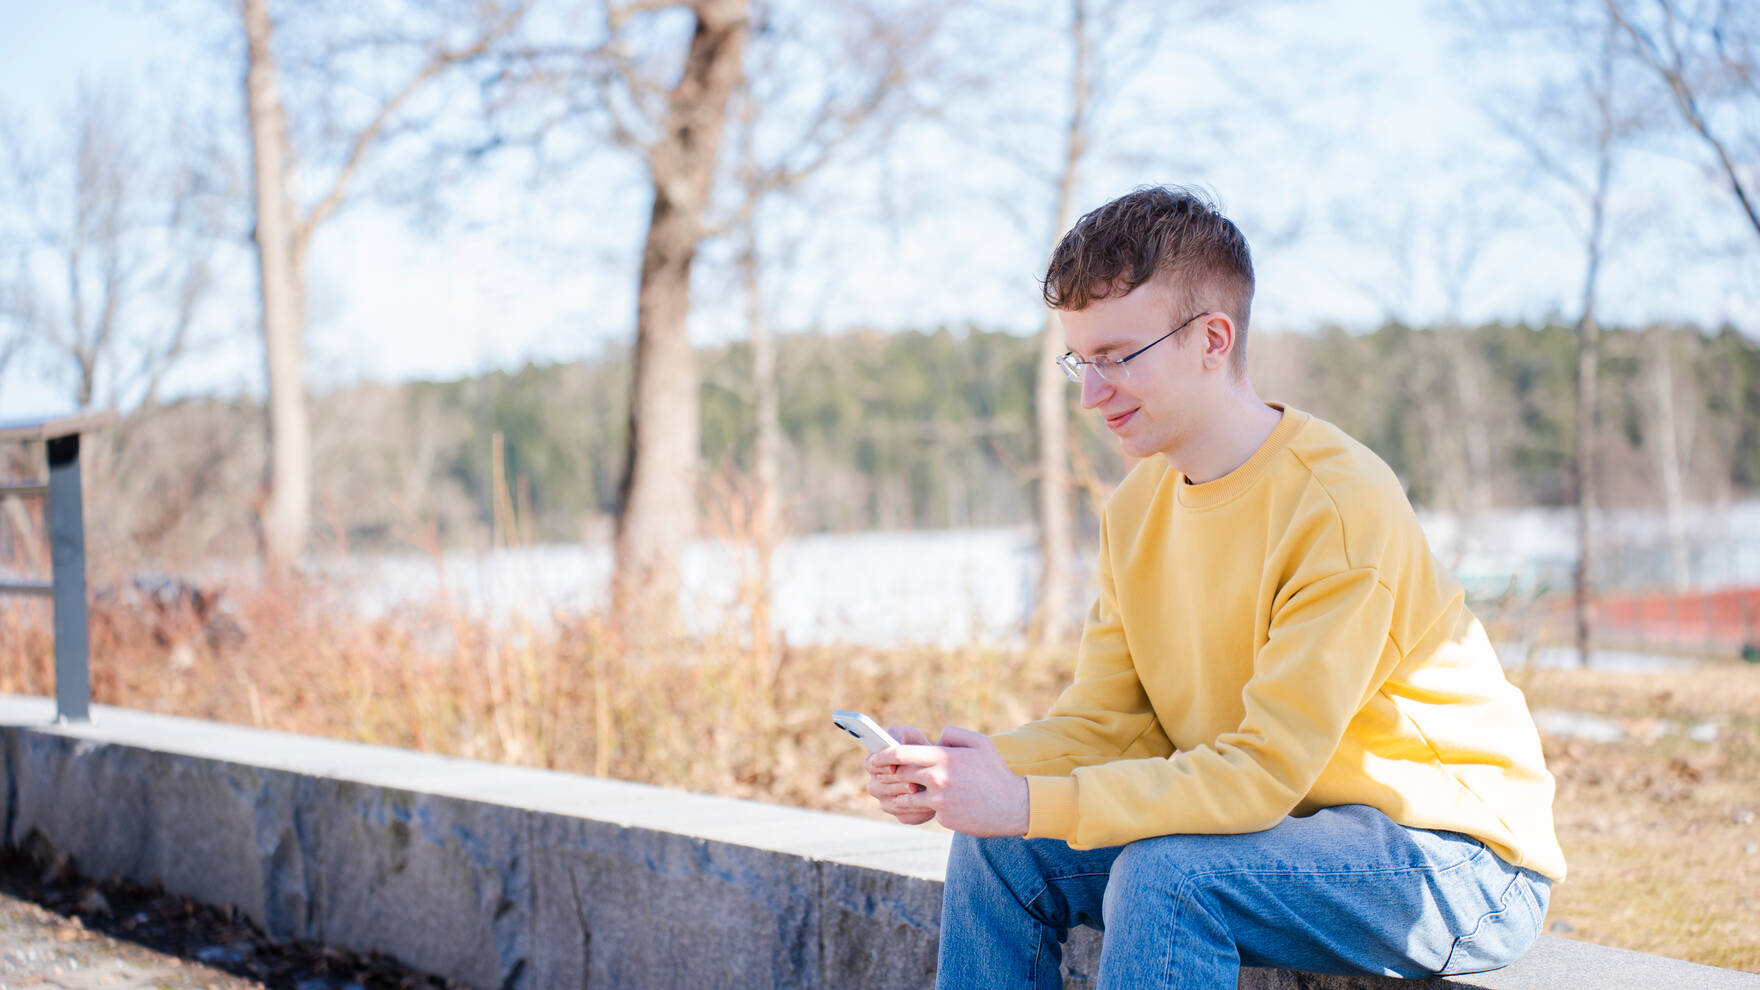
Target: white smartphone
<point>864,729</point>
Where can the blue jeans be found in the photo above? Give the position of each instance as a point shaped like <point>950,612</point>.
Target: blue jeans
<point>1342,891</point>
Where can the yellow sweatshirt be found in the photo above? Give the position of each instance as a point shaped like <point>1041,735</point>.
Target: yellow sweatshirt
<point>1274,642</point>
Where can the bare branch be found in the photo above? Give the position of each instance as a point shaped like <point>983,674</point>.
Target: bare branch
<point>124,235</point>
<point>617,15</point>
<point>440,61</point>
<point>155,363</point>
<point>1671,71</point>
<point>1542,157</point>
<point>602,80</point>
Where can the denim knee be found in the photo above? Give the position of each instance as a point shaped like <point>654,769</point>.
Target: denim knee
<point>964,854</point>
<point>1004,860</point>
<point>1001,856</point>
<point>1055,885</point>
<point>1144,869</point>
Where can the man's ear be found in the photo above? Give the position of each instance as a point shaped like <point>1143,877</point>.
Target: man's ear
<point>1219,339</point>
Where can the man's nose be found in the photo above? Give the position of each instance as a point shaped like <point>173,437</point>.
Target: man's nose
<point>1094,388</point>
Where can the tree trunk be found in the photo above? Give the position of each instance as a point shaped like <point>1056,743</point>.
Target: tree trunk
<point>1588,521</point>
<point>285,518</point>
<point>1480,487</point>
<point>767,452</point>
<point>1052,611</point>
<point>768,442</point>
<point>1056,519</point>
<point>1588,411</point>
<point>1450,479</point>
<point>1668,460</point>
<point>658,510</point>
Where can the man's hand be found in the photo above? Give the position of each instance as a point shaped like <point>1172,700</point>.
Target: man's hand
<point>963,780</point>
<point>884,782</point>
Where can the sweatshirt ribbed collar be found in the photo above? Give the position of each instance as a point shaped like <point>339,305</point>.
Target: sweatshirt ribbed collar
<point>1241,478</point>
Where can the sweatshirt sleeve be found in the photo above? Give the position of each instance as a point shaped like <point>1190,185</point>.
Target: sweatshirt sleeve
<point>1327,650</point>
<point>1104,714</point>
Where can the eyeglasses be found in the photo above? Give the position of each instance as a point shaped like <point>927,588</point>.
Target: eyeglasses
<point>1113,369</point>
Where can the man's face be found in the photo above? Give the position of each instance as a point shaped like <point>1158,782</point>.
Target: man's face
<point>1151,409</point>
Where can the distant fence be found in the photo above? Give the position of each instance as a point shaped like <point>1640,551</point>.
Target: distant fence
<point>1725,621</point>
<point>1722,623</point>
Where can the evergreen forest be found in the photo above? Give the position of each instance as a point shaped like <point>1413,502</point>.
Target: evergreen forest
<point>931,429</point>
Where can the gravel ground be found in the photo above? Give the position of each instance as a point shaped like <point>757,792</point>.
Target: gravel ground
<point>61,930</point>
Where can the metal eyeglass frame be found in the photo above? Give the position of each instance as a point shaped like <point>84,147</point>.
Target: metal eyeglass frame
<point>1105,366</point>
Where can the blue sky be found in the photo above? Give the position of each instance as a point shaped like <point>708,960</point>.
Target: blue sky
<point>1351,145</point>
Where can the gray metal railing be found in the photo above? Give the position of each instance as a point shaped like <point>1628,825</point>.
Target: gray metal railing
<point>67,549</point>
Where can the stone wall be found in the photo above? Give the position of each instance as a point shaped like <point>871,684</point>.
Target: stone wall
<point>511,877</point>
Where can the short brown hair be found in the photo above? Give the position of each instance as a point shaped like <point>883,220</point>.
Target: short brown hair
<point>1154,232</point>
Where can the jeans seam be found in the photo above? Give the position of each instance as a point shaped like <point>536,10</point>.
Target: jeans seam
<point>1039,932</point>
<point>1503,908</point>
<point>1331,874</point>
<point>1379,871</point>
<point>1075,876</point>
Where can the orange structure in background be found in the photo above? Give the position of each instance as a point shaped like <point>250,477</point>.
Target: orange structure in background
<point>1718,623</point>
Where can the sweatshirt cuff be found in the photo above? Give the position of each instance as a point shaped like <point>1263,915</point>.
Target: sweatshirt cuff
<point>1051,808</point>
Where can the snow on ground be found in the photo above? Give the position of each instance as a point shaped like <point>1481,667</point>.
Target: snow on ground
<point>945,587</point>
<point>950,587</point>
<point>1532,548</point>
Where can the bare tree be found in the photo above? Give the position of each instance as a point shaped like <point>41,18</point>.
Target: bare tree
<point>1108,41</point>
<point>1463,232</point>
<point>1594,193</point>
<point>1051,607</point>
<point>1706,53</point>
<point>1097,47</point>
<point>659,486</point>
<point>854,88</point>
<point>1574,137</point>
<point>110,259</point>
<point>625,78</point>
<point>282,236</point>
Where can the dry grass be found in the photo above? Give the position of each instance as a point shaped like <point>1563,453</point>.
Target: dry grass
<point>1660,830</point>
<point>711,715</point>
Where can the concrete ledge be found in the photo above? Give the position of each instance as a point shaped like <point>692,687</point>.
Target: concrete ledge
<point>511,877</point>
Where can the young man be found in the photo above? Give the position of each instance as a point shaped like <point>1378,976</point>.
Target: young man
<point>1287,743</point>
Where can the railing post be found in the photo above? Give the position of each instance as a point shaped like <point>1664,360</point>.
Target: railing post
<point>67,542</point>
